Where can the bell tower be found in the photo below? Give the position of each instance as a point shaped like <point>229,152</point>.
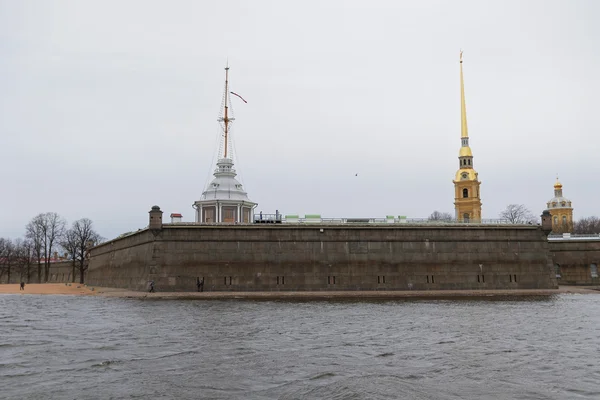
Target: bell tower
<point>467,199</point>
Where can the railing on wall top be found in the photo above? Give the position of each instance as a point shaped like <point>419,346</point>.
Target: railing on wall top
<point>316,219</point>
<point>574,236</point>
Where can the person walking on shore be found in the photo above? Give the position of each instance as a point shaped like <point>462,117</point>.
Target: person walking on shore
<point>200,284</point>
<point>22,287</point>
<point>151,287</point>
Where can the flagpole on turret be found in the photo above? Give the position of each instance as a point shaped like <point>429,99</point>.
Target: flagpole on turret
<point>225,116</point>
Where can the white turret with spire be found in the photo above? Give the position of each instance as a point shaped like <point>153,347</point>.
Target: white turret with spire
<point>224,199</point>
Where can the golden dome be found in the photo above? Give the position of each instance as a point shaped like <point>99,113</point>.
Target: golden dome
<point>557,185</point>
<point>465,152</point>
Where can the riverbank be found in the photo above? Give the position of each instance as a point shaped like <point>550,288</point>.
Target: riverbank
<point>47,288</point>
<point>83,290</point>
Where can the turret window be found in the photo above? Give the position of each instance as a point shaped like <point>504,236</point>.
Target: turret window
<point>465,193</point>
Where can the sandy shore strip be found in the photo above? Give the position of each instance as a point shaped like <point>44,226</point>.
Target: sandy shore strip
<point>83,290</point>
<point>47,288</point>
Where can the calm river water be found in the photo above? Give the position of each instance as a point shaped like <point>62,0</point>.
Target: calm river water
<point>63,347</point>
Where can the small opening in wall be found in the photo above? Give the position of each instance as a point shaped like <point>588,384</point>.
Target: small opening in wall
<point>478,279</point>
<point>283,280</point>
<point>334,280</point>
<point>483,278</point>
<point>432,281</point>
<point>427,278</point>
<point>383,279</point>
<point>278,280</point>
<point>514,278</point>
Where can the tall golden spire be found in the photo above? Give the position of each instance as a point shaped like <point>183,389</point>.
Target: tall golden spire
<point>463,107</point>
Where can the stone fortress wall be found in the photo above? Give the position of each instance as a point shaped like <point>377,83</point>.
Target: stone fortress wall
<point>282,257</point>
<point>576,259</point>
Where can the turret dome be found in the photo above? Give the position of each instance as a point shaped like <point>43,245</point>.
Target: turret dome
<point>558,201</point>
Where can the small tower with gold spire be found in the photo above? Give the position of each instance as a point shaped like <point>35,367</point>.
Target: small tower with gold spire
<point>467,200</point>
<point>561,211</point>
<point>224,200</point>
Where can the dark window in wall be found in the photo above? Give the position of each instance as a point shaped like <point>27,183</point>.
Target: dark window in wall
<point>225,280</point>
<point>331,280</point>
<point>465,193</point>
<point>380,279</point>
<point>281,280</point>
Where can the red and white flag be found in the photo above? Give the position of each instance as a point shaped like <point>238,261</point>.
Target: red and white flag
<point>235,94</point>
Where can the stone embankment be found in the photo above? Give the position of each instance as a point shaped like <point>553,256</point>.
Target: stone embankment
<point>83,290</point>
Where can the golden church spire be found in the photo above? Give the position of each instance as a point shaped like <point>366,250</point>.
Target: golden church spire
<point>467,200</point>
<point>463,108</point>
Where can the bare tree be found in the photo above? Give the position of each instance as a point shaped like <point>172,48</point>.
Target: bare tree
<point>440,216</point>
<point>518,214</point>
<point>34,233</point>
<point>55,228</point>
<point>78,240</point>
<point>69,242</point>
<point>587,225</point>
<point>24,259</point>
<point>7,258</point>
<point>46,229</point>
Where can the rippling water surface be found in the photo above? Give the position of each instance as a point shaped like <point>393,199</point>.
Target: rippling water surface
<point>63,347</point>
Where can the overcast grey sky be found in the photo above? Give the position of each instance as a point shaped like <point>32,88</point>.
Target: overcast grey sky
<point>110,107</point>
